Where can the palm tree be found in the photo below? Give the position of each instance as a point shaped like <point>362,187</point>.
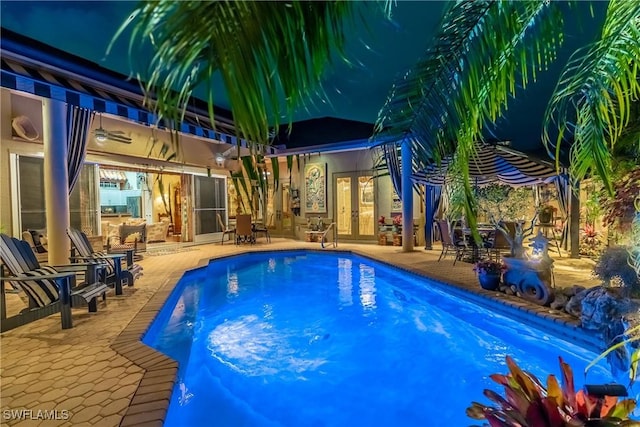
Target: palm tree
<point>591,105</point>
<point>271,56</point>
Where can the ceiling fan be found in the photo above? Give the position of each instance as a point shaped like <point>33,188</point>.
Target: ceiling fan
<point>102,135</point>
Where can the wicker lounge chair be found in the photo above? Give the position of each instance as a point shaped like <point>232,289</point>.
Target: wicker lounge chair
<point>49,289</point>
<point>116,273</point>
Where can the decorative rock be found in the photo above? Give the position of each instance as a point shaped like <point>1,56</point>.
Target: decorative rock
<point>574,305</point>
<point>560,301</point>
<point>601,306</point>
<point>572,290</point>
<point>509,290</point>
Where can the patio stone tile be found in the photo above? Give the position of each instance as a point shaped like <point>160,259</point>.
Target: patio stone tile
<point>129,379</point>
<point>85,415</point>
<point>80,390</point>
<point>124,391</point>
<point>110,421</point>
<point>137,408</point>
<point>72,404</point>
<point>53,395</point>
<point>107,384</point>
<point>116,407</point>
<point>141,419</point>
<point>25,401</point>
<point>97,398</point>
<point>27,378</point>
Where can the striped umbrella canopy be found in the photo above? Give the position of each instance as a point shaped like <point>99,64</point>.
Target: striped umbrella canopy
<point>492,163</point>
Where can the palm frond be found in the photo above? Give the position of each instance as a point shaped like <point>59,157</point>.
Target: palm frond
<point>593,97</point>
<point>271,55</point>
<point>484,50</point>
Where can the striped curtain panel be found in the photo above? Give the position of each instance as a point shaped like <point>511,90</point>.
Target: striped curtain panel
<point>393,164</point>
<point>78,125</point>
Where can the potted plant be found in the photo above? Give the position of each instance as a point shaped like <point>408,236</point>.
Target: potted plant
<point>489,273</point>
<point>397,223</point>
<point>381,222</point>
<point>545,214</point>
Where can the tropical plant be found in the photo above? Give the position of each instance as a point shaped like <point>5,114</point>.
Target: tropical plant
<point>268,68</point>
<point>619,208</point>
<point>590,243</point>
<point>464,81</point>
<point>592,104</point>
<point>489,267</point>
<point>529,403</point>
<point>613,264</point>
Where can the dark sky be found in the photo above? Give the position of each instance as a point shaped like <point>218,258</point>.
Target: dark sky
<point>356,92</point>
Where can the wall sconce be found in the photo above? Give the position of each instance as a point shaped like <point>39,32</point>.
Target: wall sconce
<point>220,160</point>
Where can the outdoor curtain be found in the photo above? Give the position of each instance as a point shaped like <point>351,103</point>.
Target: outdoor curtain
<point>393,164</point>
<point>432,204</point>
<point>78,124</point>
<point>563,188</point>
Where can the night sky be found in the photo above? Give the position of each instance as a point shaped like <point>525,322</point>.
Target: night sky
<point>355,92</point>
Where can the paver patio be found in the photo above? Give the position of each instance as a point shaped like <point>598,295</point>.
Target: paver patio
<point>82,373</point>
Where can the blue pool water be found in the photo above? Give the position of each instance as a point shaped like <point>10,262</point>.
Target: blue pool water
<point>333,339</point>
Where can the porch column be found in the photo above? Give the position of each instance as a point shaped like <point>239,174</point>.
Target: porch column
<point>56,181</point>
<point>428,223</point>
<point>407,197</point>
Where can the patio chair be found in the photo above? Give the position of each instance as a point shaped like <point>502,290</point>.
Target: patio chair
<point>114,272</point>
<point>225,230</point>
<point>244,230</point>
<point>500,244</point>
<point>48,289</point>
<point>448,242</point>
<point>261,228</point>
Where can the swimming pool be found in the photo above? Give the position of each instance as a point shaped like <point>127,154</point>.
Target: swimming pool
<point>335,339</point>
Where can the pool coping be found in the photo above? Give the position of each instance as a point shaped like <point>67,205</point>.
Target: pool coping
<point>150,402</point>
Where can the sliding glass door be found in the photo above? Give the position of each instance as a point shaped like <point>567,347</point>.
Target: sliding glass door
<point>209,200</point>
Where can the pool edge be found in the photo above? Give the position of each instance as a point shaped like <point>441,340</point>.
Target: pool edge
<point>151,399</point>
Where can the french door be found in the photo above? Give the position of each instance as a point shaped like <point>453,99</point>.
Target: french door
<point>279,212</point>
<point>355,208</point>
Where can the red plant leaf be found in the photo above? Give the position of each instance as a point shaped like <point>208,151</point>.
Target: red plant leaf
<point>476,411</point>
<point>496,398</point>
<point>554,417</point>
<point>536,414</point>
<point>568,386</point>
<point>517,399</point>
<point>500,379</point>
<point>554,391</point>
<point>528,387</point>
<point>585,404</point>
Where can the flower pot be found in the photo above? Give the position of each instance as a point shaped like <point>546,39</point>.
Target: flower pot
<point>545,217</point>
<point>489,281</point>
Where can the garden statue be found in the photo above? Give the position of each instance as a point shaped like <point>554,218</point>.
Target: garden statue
<point>532,277</point>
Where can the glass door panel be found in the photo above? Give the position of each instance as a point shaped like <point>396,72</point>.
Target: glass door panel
<point>209,199</point>
<point>366,206</point>
<point>344,212</point>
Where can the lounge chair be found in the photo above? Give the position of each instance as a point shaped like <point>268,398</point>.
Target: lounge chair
<point>115,273</point>
<point>49,289</point>
<point>225,230</point>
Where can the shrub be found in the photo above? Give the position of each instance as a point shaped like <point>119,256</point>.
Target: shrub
<point>614,262</point>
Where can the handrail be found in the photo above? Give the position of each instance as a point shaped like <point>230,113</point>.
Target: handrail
<point>335,235</point>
